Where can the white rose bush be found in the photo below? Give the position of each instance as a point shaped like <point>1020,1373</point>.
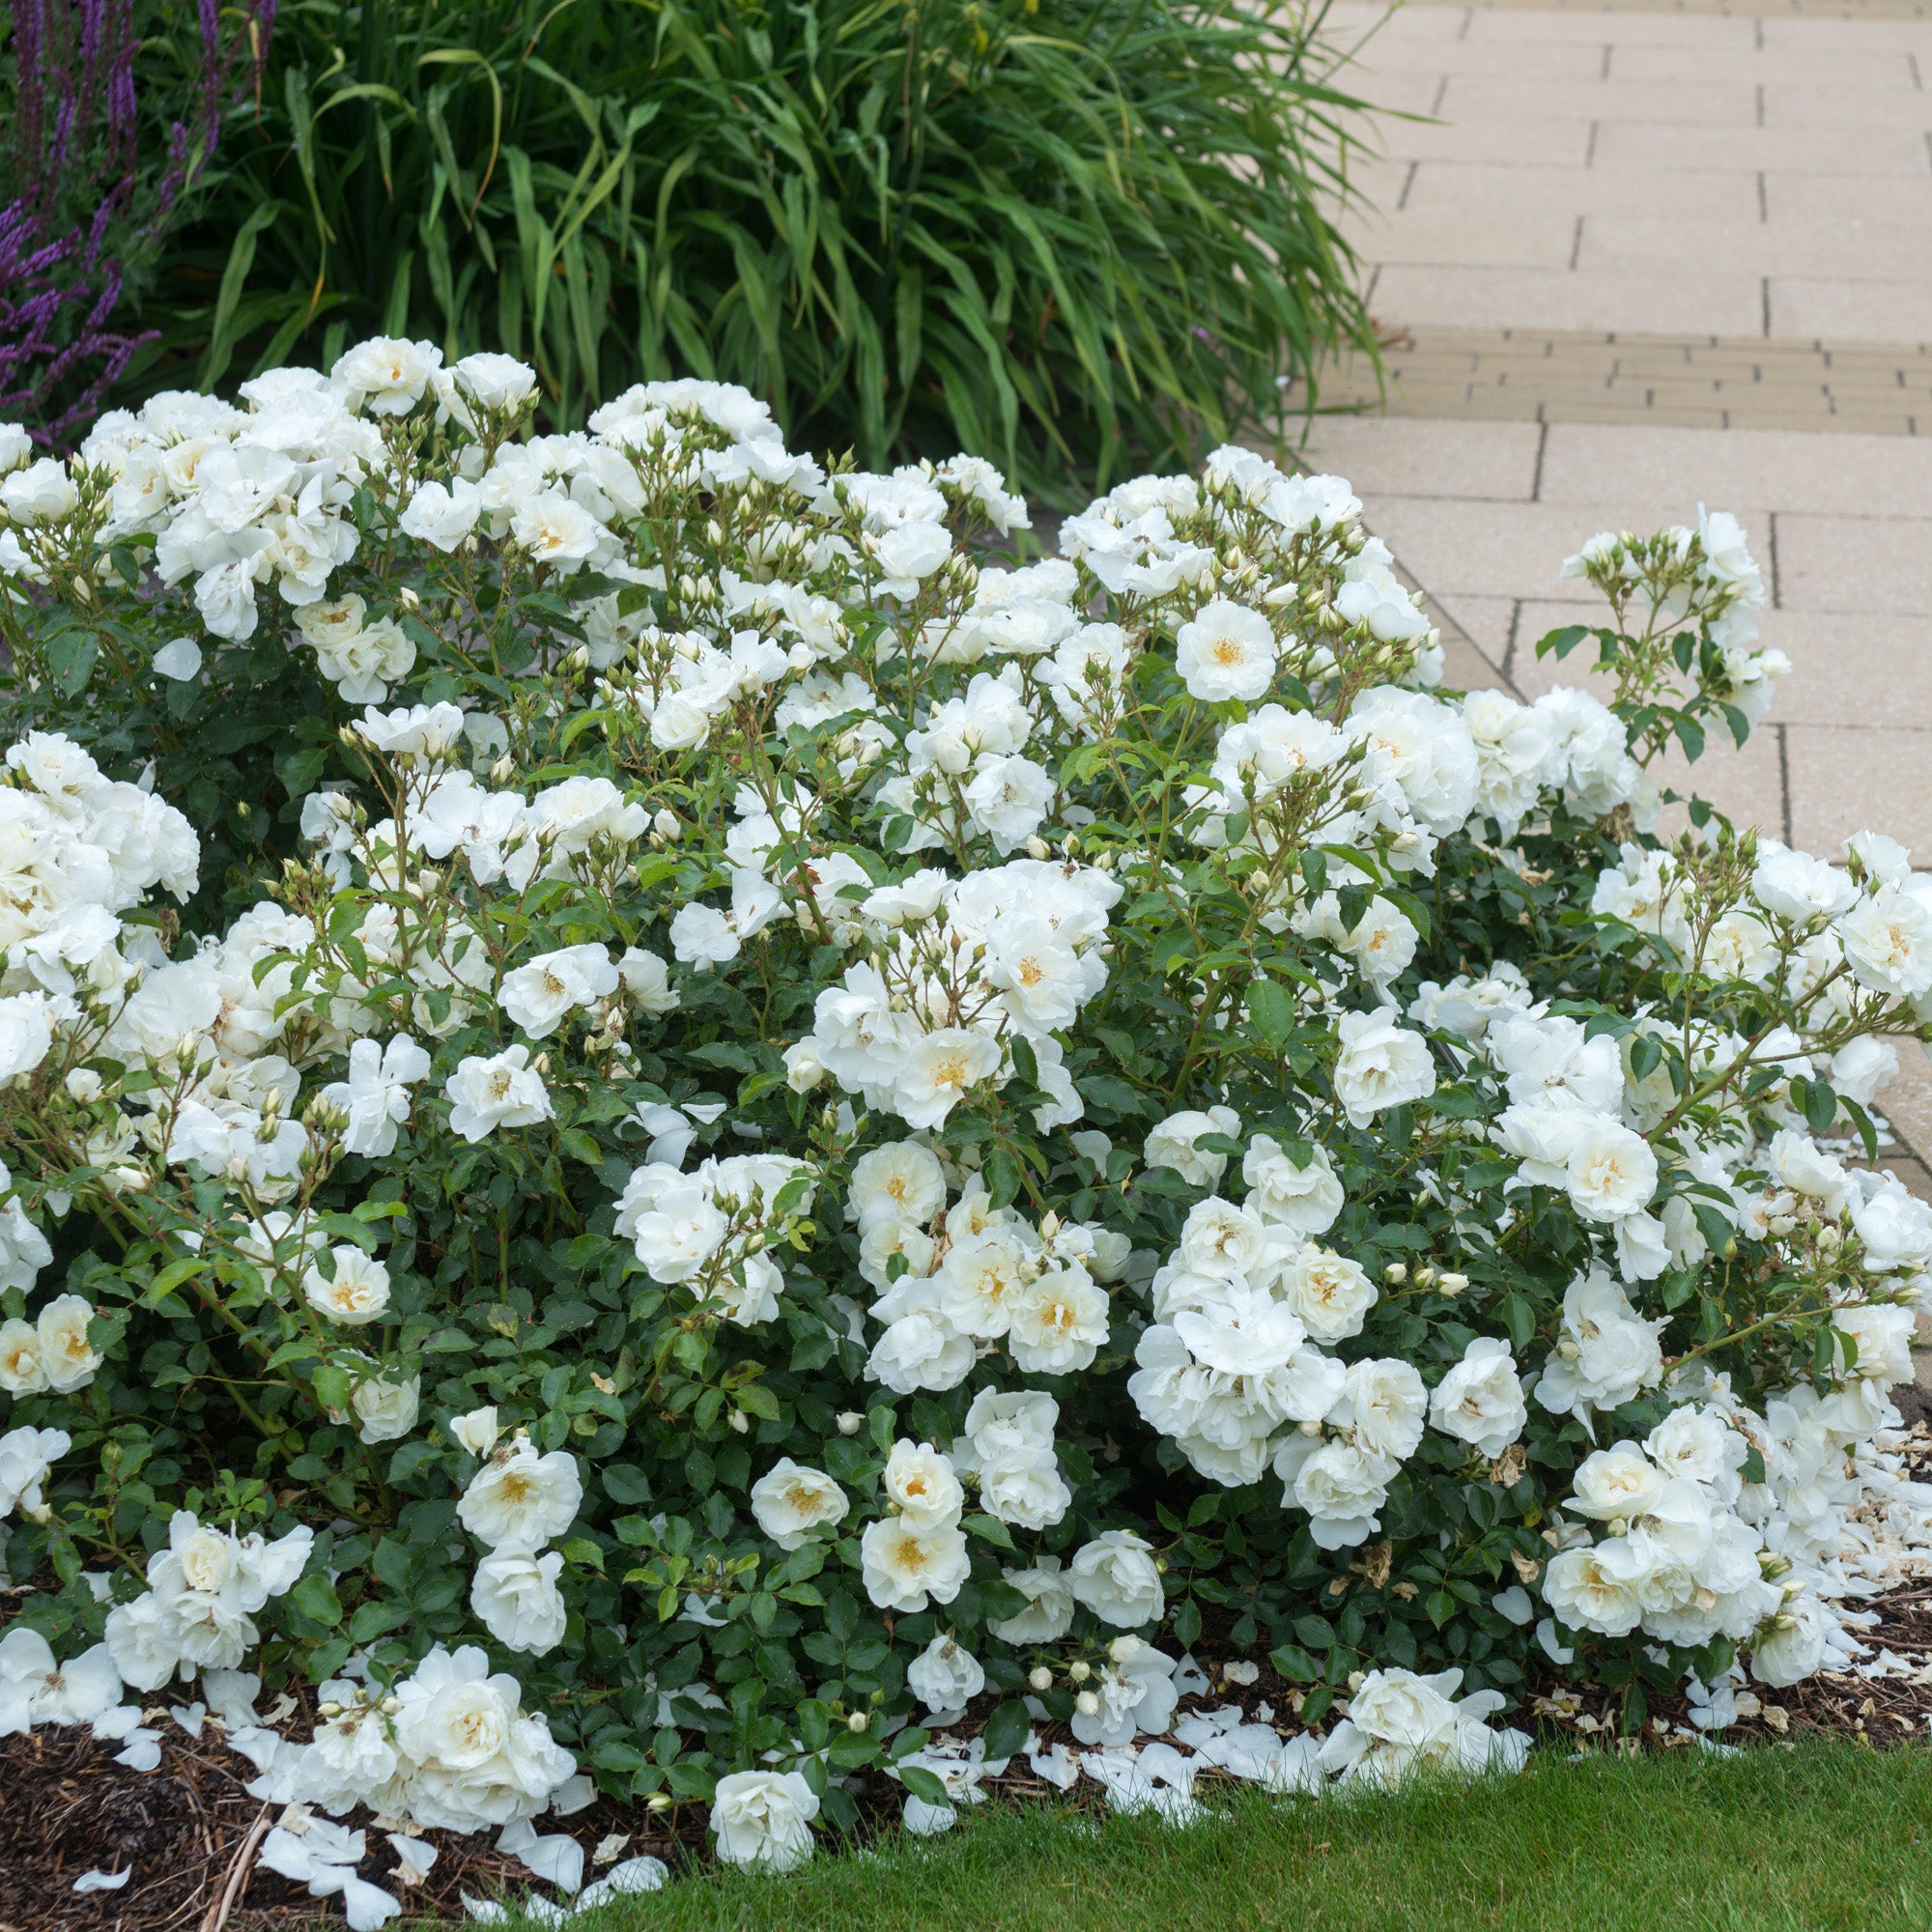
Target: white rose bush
<point>664,1119</point>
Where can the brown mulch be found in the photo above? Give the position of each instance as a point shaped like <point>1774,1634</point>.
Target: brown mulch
<point>189,1829</point>
<point>189,1832</point>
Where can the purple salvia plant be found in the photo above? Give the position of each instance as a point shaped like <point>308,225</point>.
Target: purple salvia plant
<point>75,110</point>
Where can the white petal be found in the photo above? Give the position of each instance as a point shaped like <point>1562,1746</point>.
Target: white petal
<point>368,1905</point>
<point>100,1881</point>
<point>143,1753</point>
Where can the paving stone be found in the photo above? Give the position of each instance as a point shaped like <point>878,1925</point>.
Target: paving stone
<point>1568,299</point>
<point>1878,566</point>
<point>1469,98</point>
<point>1750,471</point>
<point>1405,456</point>
<point>1874,311</point>
<point>1844,780</point>
<point>1811,151</point>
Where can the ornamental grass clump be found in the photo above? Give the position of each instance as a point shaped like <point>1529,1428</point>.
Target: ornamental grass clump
<point>788,1150</point>
<point>1069,236</point>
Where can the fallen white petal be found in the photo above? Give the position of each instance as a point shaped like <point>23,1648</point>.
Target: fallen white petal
<point>1059,1766</point>
<point>555,1856</point>
<point>191,1718</point>
<point>414,1857</point>
<point>117,1723</point>
<point>143,1753</point>
<point>924,1819</point>
<point>633,1876</point>
<point>544,1911</point>
<point>608,1846</point>
<point>100,1881</point>
<point>368,1905</point>
<point>485,1911</point>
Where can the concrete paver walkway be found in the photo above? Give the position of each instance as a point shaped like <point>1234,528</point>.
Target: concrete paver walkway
<point>1643,256</point>
<point>1637,260</point>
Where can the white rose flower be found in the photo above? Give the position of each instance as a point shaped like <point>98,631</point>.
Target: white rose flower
<point>442,515</point>
<point>1226,651</point>
<point>515,1595</point>
<point>1116,1578</point>
<point>920,1481</point>
<point>1340,1484</point>
<point>764,1818</point>
<point>500,1091</point>
<point>1796,886</point>
<point>1384,1401</point>
<point>1587,1595</point>
<point>358,1291</point>
<point>1329,1294</point>
<point>66,1358</point>
<point>521,1497</point>
<point>938,1070</point>
<point>385,1409</point>
<point>679,1232</point>
<point>385,376</point>
<point>478,1431</point>
<point>1882,1333</point>
<point>1381,1066</point>
<point>22,1372</point>
<point>42,493</point>
<point>1611,1172</point>
<point>790,1501</point>
<point>646,982</point>
<point>1306,1198</point>
<point>1790,1646</point>
<point>1172,1145</point>
<point>144,1642</point>
<point>901,1178</point>
<point>1895,1226</point>
<point>1480,1401</point>
<point>496,382</point>
<point>1002,1422</point>
<point>1059,1323</point>
<point>944,1677</point>
<point>374,1100</point>
<point>1026,1489</point>
<point>1887,941</point>
<point>905,1563</point>
<point>27,1456</point>
<point>1616,1482</point>
<point>1605,1354</point>
<point>26,1033</point>
<point>556,530</point>
<point>538,994</point>
<point>1049,1589</point>
<point>921,1352</point>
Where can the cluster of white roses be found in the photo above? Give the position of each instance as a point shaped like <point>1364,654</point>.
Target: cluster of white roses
<point>449,1746</point>
<point>710,1230</point>
<point>960,973</point>
<point>517,1502</point>
<point>198,1610</point>
<point>956,1283</point>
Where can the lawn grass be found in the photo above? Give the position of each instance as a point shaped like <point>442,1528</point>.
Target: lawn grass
<point>1817,1836</point>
